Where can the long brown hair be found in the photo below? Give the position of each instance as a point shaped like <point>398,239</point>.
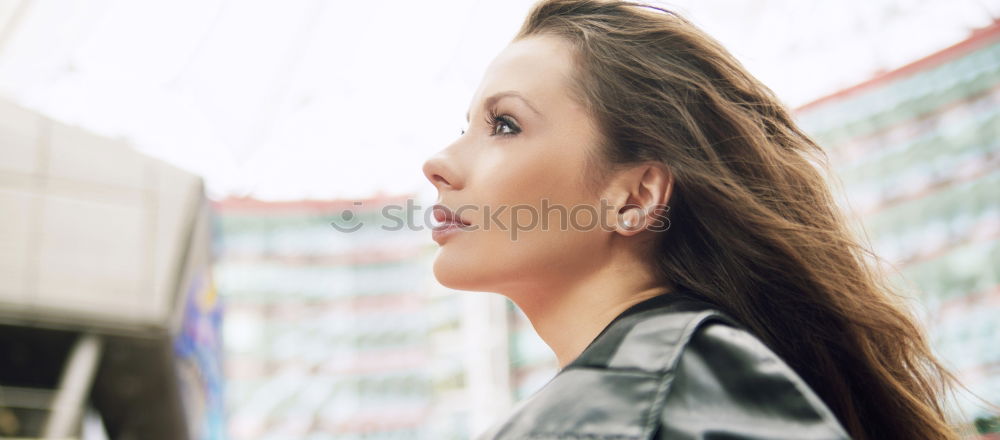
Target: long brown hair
<point>754,227</point>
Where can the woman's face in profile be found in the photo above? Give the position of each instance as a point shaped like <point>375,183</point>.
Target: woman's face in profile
<point>515,176</point>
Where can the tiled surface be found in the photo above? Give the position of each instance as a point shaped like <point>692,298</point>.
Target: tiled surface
<point>14,242</point>
<point>19,132</point>
<point>92,231</point>
<point>91,257</point>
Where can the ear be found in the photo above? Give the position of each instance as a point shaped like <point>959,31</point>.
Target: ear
<point>638,197</point>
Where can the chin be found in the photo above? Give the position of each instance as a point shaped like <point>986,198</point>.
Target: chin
<point>477,275</point>
<point>470,272</point>
<point>456,275</point>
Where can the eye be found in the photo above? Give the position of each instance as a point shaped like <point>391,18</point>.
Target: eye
<point>501,125</point>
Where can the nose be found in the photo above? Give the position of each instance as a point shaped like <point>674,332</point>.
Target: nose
<point>439,171</point>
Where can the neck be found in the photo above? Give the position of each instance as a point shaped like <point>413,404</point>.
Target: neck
<point>569,315</point>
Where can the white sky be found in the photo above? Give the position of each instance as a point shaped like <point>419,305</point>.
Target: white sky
<point>330,99</point>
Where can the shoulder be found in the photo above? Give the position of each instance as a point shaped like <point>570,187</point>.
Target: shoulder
<point>608,392</point>
<point>727,381</point>
<point>679,370</point>
<point>716,377</point>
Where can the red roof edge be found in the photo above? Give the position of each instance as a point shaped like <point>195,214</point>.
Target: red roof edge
<point>251,204</point>
<point>977,39</point>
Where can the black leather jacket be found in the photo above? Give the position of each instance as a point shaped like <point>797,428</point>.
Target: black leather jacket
<point>672,367</point>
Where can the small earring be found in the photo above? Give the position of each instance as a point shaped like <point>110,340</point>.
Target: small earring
<point>629,221</point>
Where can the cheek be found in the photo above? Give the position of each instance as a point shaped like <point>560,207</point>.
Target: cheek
<point>547,169</point>
<point>539,225</point>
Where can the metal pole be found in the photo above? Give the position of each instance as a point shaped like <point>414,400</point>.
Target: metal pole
<point>74,386</point>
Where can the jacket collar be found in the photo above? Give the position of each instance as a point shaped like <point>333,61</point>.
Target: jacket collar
<point>603,347</point>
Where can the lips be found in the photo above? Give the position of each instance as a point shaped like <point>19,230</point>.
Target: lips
<point>446,217</point>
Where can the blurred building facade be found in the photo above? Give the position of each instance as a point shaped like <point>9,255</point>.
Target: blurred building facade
<point>109,323</point>
<point>336,328</point>
<point>337,333</point>
<point>917,150</point>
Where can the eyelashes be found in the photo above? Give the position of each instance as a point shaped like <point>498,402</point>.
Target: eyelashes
<point>495,120</point>
<point>500,124</point>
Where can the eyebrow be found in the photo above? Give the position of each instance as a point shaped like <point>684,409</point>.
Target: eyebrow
<point>510,93</point>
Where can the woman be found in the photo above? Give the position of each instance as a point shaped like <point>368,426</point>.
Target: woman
<point>666,228</point>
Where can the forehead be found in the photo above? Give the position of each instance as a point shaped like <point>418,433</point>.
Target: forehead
<point>539,67</point>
